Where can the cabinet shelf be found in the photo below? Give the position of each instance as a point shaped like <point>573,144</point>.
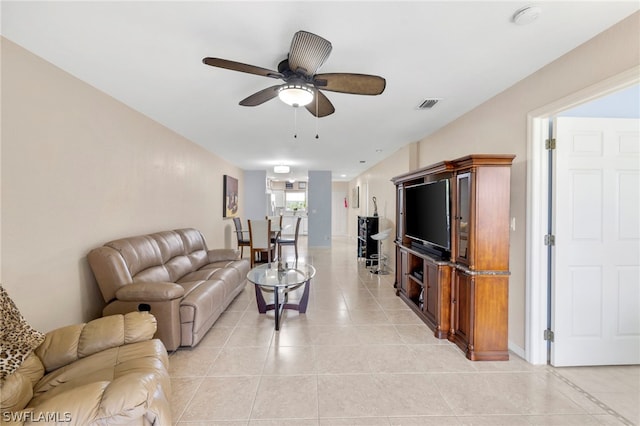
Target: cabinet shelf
<point>427,296</point>
<point>416,279</point>
<point>367,246</point>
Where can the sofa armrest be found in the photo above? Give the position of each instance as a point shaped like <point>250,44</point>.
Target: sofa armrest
<point>149,292</point>
<point>218,255</point>
<point>68,344</point>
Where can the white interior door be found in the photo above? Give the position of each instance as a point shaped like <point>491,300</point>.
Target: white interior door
<point>596,286</point>
<point>338,213</point>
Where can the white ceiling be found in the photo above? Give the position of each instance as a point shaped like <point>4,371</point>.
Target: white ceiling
<point>149,56</point>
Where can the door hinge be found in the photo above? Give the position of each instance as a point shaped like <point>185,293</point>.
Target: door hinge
<point>548,335</point>
<point>549,240</point>
<point>550,143</point>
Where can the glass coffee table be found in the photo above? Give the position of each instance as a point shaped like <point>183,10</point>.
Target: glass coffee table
<point>280,279</point>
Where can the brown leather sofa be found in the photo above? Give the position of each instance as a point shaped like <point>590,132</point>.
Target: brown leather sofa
<point>105,372</point>
<point>173,274</point>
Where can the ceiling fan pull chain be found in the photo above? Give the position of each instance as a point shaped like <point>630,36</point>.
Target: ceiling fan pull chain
<point>317,114</point>
<point>295,123</point>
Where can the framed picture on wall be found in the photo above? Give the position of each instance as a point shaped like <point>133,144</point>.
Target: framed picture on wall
<point>230,196</point>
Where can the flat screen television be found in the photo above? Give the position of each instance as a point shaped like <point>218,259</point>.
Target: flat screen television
<point>427,215</point>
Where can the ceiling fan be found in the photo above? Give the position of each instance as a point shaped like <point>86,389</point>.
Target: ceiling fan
<point>301,83</point>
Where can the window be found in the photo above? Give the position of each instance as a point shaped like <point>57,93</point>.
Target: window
<point>295,200</point>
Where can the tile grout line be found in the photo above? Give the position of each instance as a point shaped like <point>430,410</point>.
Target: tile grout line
<point>591,398</point>
<point>206,373</point>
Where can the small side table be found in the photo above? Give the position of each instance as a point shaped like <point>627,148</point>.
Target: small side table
<point>280,279</point>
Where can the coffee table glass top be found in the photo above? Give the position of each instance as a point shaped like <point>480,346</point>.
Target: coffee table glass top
<point>281,275</point>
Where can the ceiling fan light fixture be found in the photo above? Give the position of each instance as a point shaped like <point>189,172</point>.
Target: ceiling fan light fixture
<point>281,169</point>
<point>295,95</point>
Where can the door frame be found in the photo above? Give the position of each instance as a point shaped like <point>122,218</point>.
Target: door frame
<point>536,212</point>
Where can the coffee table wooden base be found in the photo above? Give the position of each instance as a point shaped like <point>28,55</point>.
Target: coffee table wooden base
<point>280,305</point>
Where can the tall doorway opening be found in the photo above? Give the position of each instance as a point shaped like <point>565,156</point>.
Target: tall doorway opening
<point>583,210</point>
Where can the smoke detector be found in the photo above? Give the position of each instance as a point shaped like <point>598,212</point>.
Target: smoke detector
<point>526,15</point>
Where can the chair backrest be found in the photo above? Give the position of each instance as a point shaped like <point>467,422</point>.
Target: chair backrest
<point>238,223</point>
<point>275,220</point>
<point>260,234</point>
<point>298,220</point>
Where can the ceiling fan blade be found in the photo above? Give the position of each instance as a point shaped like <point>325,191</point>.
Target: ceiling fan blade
<point>357,84</point>
<point>261,97</point>
<point>239,66</point>
<point>324,107</point>
<point>308,51</point>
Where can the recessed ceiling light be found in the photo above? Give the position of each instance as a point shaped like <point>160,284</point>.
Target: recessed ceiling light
<point>526,15</point>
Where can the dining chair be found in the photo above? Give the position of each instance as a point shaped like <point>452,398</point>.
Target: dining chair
<point>275,220</point>
<point>290,242</point>
<point>242,240</point>
<point>260,240</point>
<point>276,228</point>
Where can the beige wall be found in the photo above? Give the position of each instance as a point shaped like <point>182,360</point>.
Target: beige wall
<point>80,168</point>
<point>500,126</point>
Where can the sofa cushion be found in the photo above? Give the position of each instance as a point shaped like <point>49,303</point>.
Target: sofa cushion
<point>149,291</point>
<point>195,247</point>
<point>222,255</point>
<point>139,359</point>
<point>17,338</point>
<point>205,297</point>
<point>202,274</point>
<point>178,267</point>
<point>217,265</point>
<point>139,253</point>
<point>65,345</point>
<point>170,244</point>
<point>173,254</point>
<point>154,273</point>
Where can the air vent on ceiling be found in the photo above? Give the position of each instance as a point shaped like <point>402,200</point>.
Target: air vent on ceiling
<point>428,103</point>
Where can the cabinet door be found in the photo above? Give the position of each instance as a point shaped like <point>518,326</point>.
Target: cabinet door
<point>462,304</point>
<point>403,270</point>
<point>430,308</point>
<point>399,213</point>
<point>463,219</point>
<point>399,270</point>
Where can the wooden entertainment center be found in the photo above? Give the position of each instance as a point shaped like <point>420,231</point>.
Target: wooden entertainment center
<point>461,292</point>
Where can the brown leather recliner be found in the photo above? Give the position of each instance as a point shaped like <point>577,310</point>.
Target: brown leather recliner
<point>173,274</point>
<point>105,372</point>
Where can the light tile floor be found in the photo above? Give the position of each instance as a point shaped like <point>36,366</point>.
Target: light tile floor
<point>359,356</point>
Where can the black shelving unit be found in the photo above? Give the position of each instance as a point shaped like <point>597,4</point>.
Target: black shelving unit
<point>367,246</point>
